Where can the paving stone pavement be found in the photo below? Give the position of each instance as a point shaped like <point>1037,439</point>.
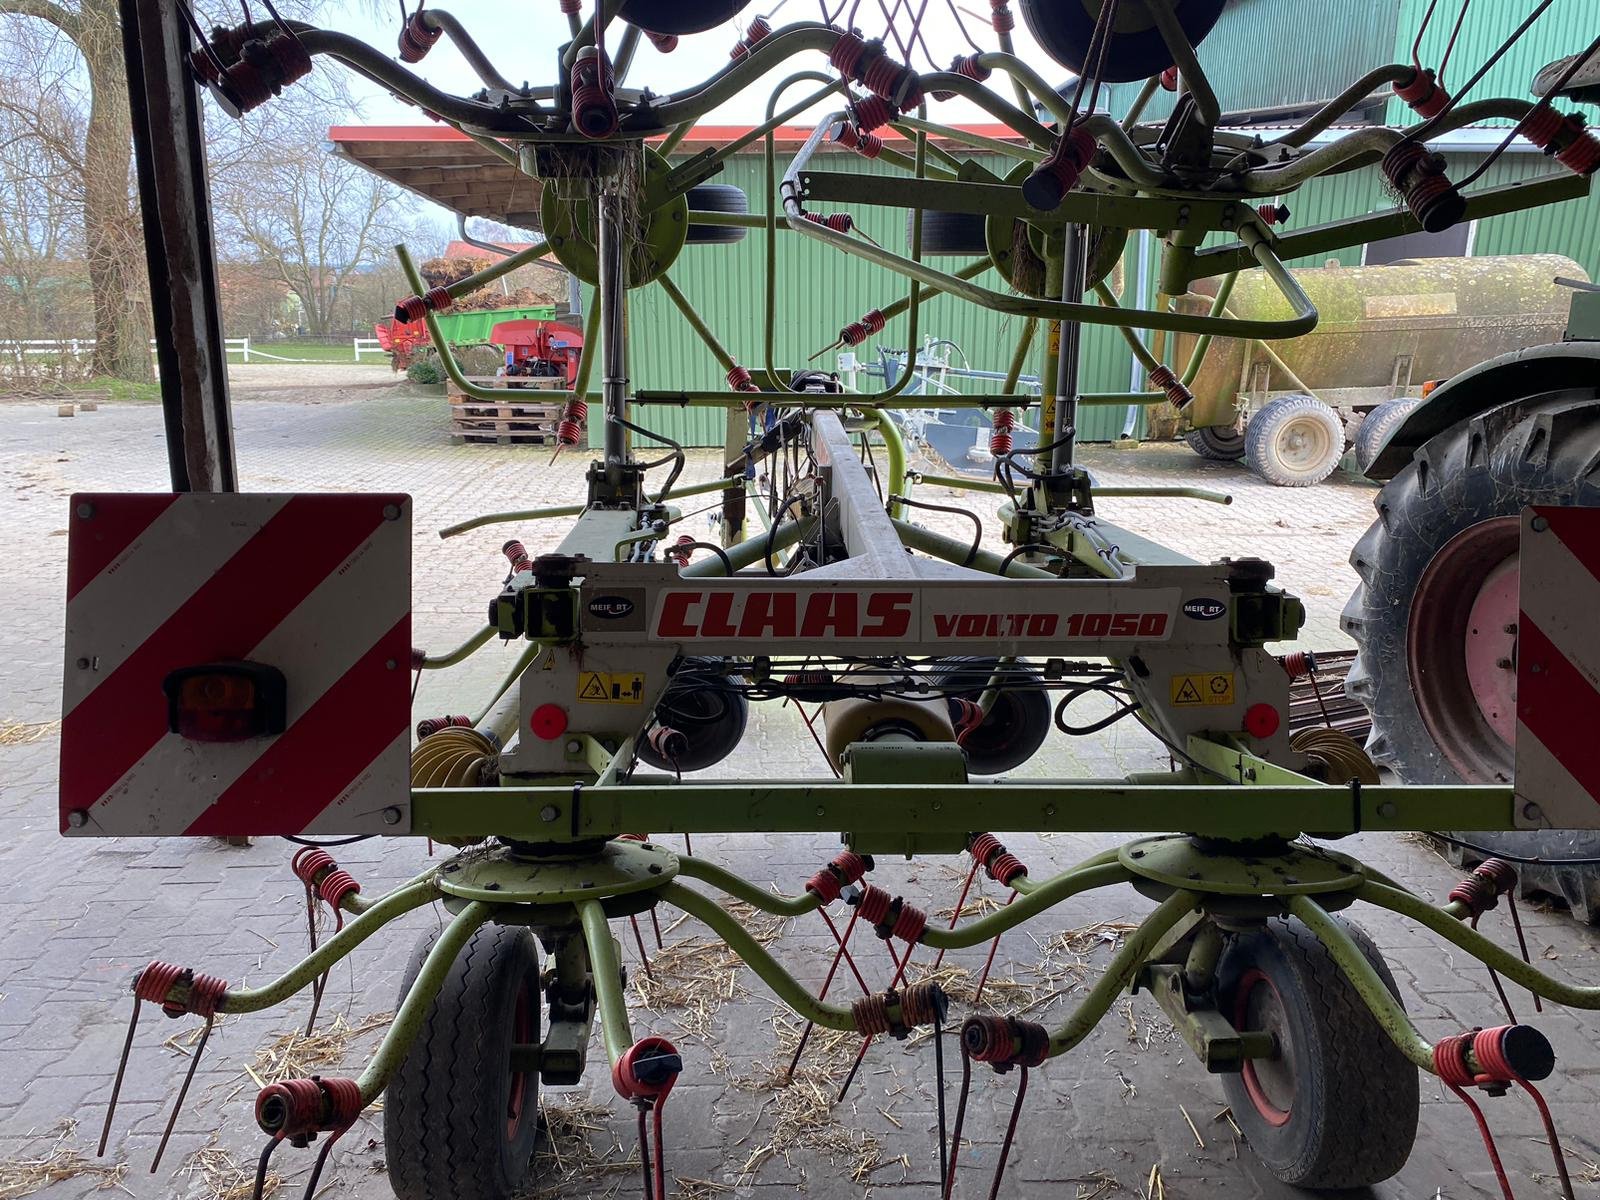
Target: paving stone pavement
<point>77,918</point>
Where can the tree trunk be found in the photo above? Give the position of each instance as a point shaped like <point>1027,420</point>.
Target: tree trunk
<point>112,233</point>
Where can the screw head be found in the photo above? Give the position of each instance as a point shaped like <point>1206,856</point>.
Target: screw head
<point>574,746</point>
<point>1049,810</point>
<point>391,512</point>
<point>77,818</point>
<point>391,815</point>
<point>1539,524</point>
<point>86,510</point>
<point>1531,811</point>
<point>389,664</point>
<point>1388,809</point>
<point>549,813</point>
<point>82,664</point>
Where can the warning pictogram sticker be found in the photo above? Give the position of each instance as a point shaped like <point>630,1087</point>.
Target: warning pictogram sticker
<point>603,687</point>
<point>1189,691</point>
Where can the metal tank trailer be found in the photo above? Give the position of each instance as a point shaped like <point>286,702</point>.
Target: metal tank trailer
<point>1290,408</point>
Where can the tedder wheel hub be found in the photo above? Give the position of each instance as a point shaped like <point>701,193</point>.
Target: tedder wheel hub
<point>1178,862</point>
<point>569,226</point>
<point>1270,1081</point>
<point>501,876</point>
<point>1461,648</point>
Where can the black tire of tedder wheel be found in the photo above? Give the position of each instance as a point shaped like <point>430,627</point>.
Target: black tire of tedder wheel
<point>717,198</point>
<point>1016,726</point>
<point>457,1122</point>
<point>706,709</point>
<point>949,232</point>
<point>1343,1100</point>
<point>1539,450</point>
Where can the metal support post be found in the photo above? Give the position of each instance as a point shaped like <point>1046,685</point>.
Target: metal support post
<point>1064,433</point>
<point>613,322</point>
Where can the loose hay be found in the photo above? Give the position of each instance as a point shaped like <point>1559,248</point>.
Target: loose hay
<point>25,733</point>
<point>294,1055</point>
<point>224,1177</point>
<point>694,977</point>
<point>567,1161</point>
<point>55,1160</point>
<point>803,1112</point>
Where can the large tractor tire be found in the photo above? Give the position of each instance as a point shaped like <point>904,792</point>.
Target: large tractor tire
<point>1219,443</point>
<point>1434,617</point>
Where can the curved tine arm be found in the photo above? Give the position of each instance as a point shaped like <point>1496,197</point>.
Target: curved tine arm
<point>1385,1008</point>
<point>742,889</point>
<point>1474,943</point>
<point>1343,103</point>
<point>756,956</point>
<point>367,61</point>
<point>1121,971</point>
<point>606,969</point>
<point>1025,885</point>
<point>1045,895</point>
<point>1304,320</point>
<point>769,52</point>
<point>1183,57</point>
<point>407,1023</point>
<point>440,20</point>
<point>435,662</point>
<point>396,904</point>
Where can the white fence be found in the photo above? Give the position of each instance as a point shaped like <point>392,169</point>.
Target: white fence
<point>366,346</point>
<point>81,347</point>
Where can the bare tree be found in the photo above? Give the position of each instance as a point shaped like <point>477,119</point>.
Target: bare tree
<point>101,160</point>
<point>318,221</point>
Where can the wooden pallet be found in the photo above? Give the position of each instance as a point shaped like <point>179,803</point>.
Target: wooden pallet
<point>524,416</point>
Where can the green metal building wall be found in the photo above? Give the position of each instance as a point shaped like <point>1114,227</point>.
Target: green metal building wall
<point>819,290</point>
<point>1257,56</point>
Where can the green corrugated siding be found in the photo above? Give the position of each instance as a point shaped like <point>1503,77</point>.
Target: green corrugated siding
<point>1565,28</point>
<point>1259,54</point>
<point>819,290</point>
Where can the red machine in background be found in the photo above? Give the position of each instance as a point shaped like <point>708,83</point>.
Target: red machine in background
<point>542,349</point>
<point>400,340</point>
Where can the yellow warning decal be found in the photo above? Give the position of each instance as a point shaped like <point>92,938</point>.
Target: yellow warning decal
<point>1213,688</point>
<point>602,687</point>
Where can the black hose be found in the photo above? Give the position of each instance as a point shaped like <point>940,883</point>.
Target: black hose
<point>977,522</point>
<point>1026,548</point>
<point>677,457</point>
<point>1127,709</point>
<point>727,563</point>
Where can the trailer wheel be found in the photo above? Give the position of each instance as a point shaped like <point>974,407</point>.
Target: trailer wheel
<point>1014,728</point>
<point>1439,585</point>
<point>1378,424</point>
<point>1294,441</point>
<point>1219,443</point>
<point>1336,1105</point>
<point>458,1120</point>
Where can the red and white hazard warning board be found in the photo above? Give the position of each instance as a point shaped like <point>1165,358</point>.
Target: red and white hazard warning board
<point>1558,669</point>
<point>237,664</point>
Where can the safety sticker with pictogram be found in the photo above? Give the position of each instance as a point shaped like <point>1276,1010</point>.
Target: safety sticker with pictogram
<point>1190,691</point>
<point>608,687</point>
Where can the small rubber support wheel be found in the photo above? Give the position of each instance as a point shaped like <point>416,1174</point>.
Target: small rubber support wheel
<point>950,233</point>
<point>679,16</point>
<point>1014,728</point>
<point>1336,1105</point>
<point>1219,443</point>
<point>717,198</point>
<point>1064,29</point>
<point>458,1119</point>
<point>1378,424</point>
<point>703,704</point>
<point>1294,441</point>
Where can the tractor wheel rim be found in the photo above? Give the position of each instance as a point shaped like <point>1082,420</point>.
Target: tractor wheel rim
<point>1303,445</point>
<point>1269,1082</point>
<point>1461,649</point>
<point>522,1019</point>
